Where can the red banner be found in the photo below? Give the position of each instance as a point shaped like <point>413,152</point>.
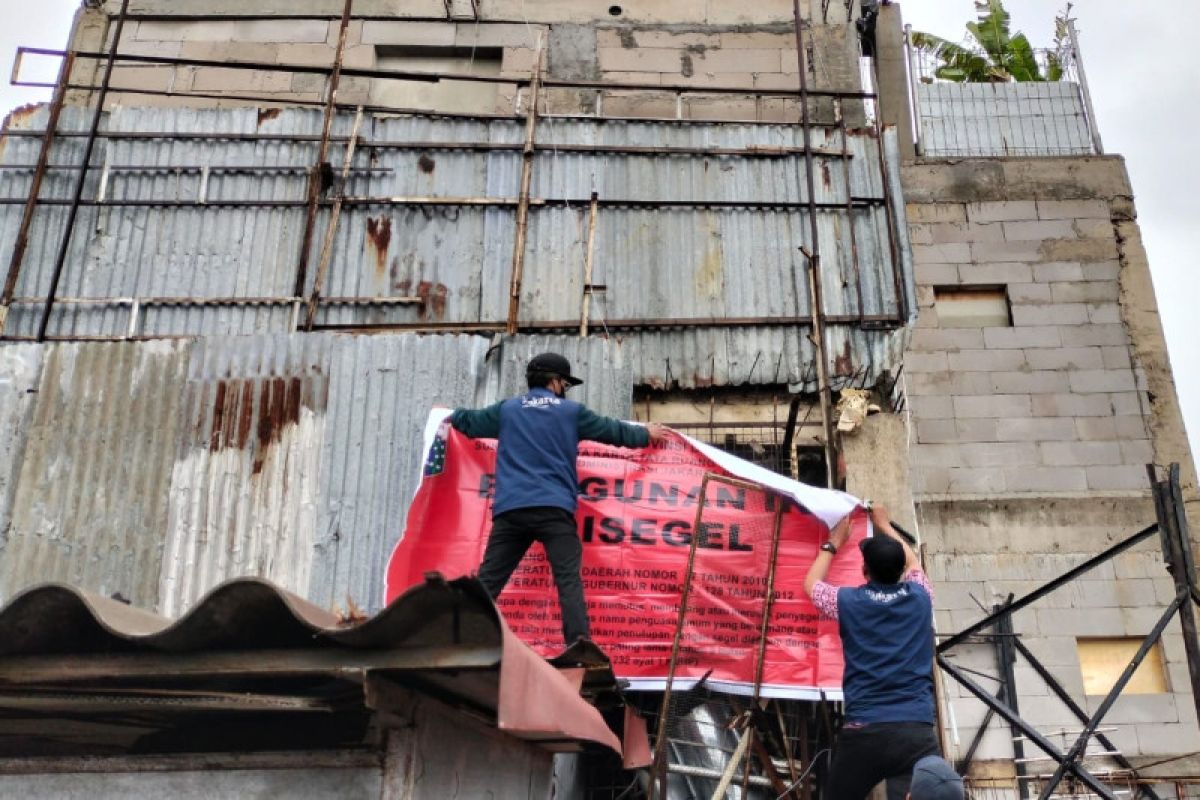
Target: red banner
<point>637,510</point>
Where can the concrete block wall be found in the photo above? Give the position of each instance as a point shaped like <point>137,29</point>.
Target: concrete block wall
<point>679,43</point>
<point>1055,402</point>
<point>1028,442</point>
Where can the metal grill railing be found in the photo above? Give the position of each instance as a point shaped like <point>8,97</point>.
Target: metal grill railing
<point>995,117</point>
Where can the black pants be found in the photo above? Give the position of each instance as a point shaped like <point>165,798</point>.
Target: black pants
<point>513,533</point>
<point>885,750</point>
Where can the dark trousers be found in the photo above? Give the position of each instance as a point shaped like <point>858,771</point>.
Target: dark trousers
<point>513,532</point>
<point>885,750</point>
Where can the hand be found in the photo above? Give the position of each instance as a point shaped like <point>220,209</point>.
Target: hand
<point>657,431</point>
<point>880,517</point>
<point>840,533</point>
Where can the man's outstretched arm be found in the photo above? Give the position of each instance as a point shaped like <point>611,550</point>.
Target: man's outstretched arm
<point>607,430</point>
<point>482,423</point>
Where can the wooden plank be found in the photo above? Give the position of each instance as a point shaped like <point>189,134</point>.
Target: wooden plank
<point>101,701</point>
<point>191,762</point>
<point>26,670</point>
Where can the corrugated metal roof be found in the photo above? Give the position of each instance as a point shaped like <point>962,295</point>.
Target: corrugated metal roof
<point>449,632</point>
<point>156,470</point>
<point>656,263</point>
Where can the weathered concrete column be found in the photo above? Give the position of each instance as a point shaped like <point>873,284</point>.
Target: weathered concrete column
<point>892,71</point>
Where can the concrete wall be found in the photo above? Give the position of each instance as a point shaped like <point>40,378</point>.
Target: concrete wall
<point>1029,442</point>
<point>685,43</point>
<point>1056,402</point>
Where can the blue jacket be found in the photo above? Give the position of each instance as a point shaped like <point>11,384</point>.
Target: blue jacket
<point>887,641</point>
<point>539,435</point>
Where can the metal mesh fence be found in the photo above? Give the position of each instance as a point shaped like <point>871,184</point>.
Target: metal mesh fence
<point>1000,118</point>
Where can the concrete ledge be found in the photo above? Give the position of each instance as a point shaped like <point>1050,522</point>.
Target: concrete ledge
<point>977,180</point>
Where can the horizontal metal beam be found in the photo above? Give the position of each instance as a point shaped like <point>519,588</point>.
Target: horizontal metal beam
<point>344,661</point>
<point>436,77</point>
<point>219,301</point>
<point>1045,589</point>
<point>767,205</point>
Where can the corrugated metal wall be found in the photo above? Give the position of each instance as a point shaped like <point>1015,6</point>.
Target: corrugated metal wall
<point>683,263</point>
<point>1003,119</point>
<point>156,470</point>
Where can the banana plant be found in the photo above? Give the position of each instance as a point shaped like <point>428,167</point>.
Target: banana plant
<point>1000,55</point>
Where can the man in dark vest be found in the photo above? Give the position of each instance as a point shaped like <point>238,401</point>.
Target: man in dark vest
<point>536,483</point>
<point>886,626</point>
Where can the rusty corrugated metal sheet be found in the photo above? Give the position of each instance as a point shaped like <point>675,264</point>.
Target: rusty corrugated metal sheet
<point>680,263</point>
<point>90,504</point>
<point>246,477</point>
<point>156,470</point>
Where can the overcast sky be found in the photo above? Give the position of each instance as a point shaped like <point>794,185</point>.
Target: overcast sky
<point>1138,59</point>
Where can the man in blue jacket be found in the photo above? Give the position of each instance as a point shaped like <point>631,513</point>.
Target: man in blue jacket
<point>536,483</point>
<point>886,627</point>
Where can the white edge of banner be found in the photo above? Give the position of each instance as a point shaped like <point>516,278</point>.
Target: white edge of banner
<point>828,505</point>
<point>737,687</point>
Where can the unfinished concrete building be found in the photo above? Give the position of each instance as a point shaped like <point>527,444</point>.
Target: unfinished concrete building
<point>299,228</point>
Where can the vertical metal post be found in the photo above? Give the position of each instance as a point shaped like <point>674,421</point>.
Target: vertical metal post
<point>839,114</point>
<point>314,175</point>
<point>331,229</point>
<point>1173,523</point>
<point>65,244</point>
<point>814,262</point>
<point>527,157</point>
<point>35,188</point>
<point>586,303</point>
<point>1093,126</point>
<point>913,88</point>
<point>1007,657</point>
<point>658,766</point>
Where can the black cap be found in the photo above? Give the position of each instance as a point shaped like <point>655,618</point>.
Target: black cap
<point>555,365</point>
<point>884,557</point>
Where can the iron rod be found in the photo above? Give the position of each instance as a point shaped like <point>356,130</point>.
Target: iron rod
<point>814,262</point>
<point>1093,126</point>
<point>331,229</point>
<point>658,769</point>
<point>1183,573</point>
<point>1041,592</point>
<point>527,159</point>
<point>1004,711</point>
<point>1066,699</point>
<point>589,255</point>
<point>1079,748</point>
<point>35,188</point>
<point>65,243</point>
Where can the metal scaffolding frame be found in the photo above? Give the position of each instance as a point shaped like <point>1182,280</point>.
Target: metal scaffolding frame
<point>325,191</point>
<point>1175,540</point>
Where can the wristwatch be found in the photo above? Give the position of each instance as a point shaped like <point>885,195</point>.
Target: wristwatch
<point>830,547</point>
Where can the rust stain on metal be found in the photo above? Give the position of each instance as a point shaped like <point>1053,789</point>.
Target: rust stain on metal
<point>19,114</point>
<point>379,237</point>
<point>433,299</point>
<point>843,365</point>
<point>826,176</point>
<point>267,114</point>
<point>254,414</point>
<point>426,164</point>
